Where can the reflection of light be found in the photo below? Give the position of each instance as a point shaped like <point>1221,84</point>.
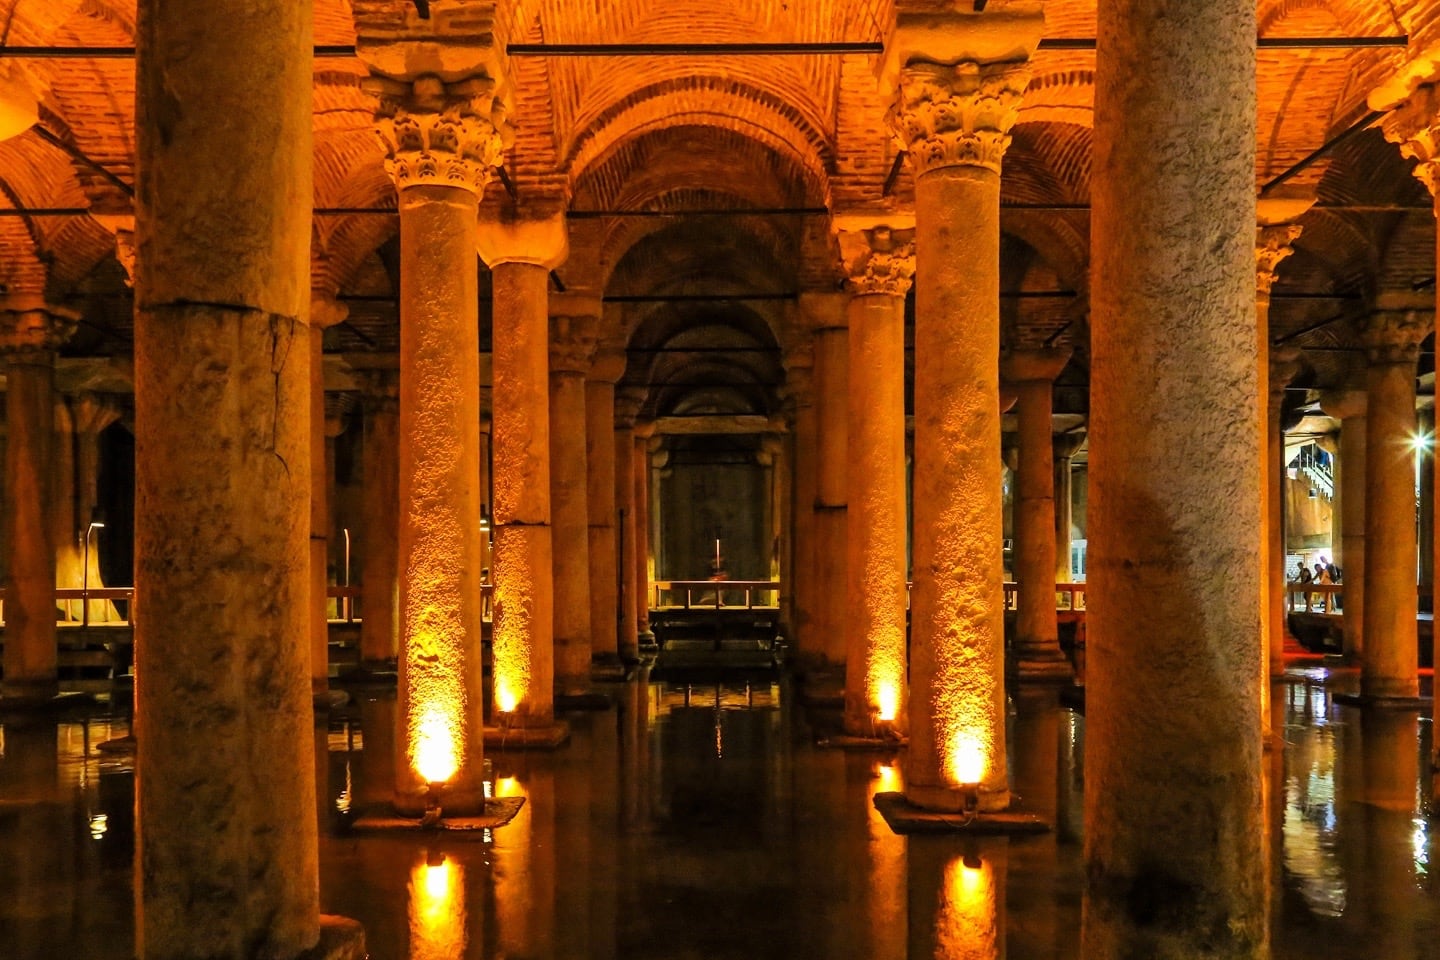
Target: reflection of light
<point>888,778</point>
<point>508,787</point>
<point>966,761</point>
<point>98,825</point>
<point>1420,442</point>
<point>346,798</point>
<point>437,910</point>
<point>436,754</point>
<point>505,699</point>
<point>966,921</point>
<point>1419,840</point>
<point>887,702</point>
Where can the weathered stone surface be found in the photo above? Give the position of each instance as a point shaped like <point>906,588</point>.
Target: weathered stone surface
<point>572,344</point>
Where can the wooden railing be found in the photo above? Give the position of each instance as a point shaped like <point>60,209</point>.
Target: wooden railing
<point>714,594</point>
<point>1314,597</point>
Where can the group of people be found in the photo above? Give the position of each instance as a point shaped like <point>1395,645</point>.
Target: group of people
<point>1325,572</point>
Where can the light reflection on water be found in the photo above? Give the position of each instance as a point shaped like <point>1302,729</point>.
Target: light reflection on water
<point>1310,830</point>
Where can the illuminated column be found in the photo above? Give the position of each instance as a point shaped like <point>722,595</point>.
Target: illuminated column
<point>30,333</point>
<point>1032,373</point>
<point>521,253</point>
<point>800,415</point>
<point>572,345</point>
<point>379,572</point>
<point>1349,407</point>
<point>1392,346</point>
<point>627,407</point>
<point>324,313</point>
<point>643,433</point>
<point>880,264</point>
<point>955,122</point>
<point>443,147</point>
<point>1063,450</point>
<point>1174,576</point>
<point>227,858</point>
<point>608,367</point>
<point>825,313</point>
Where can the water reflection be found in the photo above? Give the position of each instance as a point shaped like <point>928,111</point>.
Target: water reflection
<point>957,899</point>
<point>437,909</point>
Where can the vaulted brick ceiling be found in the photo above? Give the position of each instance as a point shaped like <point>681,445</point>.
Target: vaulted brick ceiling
<point>688,133</point>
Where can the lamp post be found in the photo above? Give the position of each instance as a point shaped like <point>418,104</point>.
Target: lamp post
<point>97,522</point>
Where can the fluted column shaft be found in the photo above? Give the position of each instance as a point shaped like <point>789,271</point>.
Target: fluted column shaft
<point>380,548</point>
<point>1173,826</point>
<point>572,344</point>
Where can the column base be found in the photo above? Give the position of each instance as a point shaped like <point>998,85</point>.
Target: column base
<point>28,694</point>
<point>497,812</point>
<point>550,736</point>
<point>1389,688</point>
<point>340,939</point>
<point>951,800</point>
<point>905,817</point>
<point>607,666</point>
<point>1384,703</point>
<point>1044,664</point>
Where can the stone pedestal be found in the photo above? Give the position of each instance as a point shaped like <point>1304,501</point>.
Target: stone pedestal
<point>955,120</point>
<point>444,145</point>
<point>1349,407</point>
<point>607,368</point>
<point>1032,374</point>
<point>1174,843</point>
<point>227,860</point>
<point>1389,669</point>
<point>880,264</point>
<point>380,547</point>
<point>30,333</point>
<point>572,345</point>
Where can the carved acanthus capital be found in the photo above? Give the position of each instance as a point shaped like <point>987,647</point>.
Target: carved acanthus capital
<point>441,134</point>
<point>1394,336</point>
<point>608,366</point>
<point>878,261</point>
<point>1415,126</point>
<point>573,340</point>
<point>961,115</point>
<point>1284,366</point>
<point>1272,245</point>
<point>29,326</point>
<point>627,408</point>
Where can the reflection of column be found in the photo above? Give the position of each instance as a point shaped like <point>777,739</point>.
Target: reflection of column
<point>626,409</point>
<point>1391,750</point>
<point>955,120</point>
<point>520,255</point>
<point>609,366</point>
<point>1064,448</point>
<point>572,344</point>
<point>1170,830</point>
<point>799,574</point>
<point>643,433</point>
<point>957,900</point>
<point>1392,346</point>
<point>437,911</point>
<point>1032,374</point>
<point>225,810</point>
<point>324,313</point>
<point>443,147</point>
<point>379,554</point>
<point>29,335</point>
<point>825,313</point>
<point>880,264</point>
<point>1349,407</point>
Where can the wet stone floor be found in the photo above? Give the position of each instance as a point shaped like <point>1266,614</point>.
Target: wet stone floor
<point>701,820</point>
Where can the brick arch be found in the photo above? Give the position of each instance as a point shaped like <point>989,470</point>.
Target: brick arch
<point>1064,93</point>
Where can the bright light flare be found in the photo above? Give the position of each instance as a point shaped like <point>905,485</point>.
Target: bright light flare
<point>506,700</point>
<point>436,753</point>
<point>1421,442</point>
<point>965,761</point>
<point>887,778</point>
<point>967,923</point>
<point>887,702</point>
<point>437,910</point>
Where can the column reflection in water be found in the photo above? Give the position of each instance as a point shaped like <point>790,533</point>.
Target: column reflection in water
<point>885,900</point>
<point>1309,829</point>
<point>33,881</point>
<point>523,864</point>
<point>437,909</point>
<point>957,898</point>
<point>1390,740</point>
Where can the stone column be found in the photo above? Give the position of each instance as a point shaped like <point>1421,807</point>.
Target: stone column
<point>227,860</point>
<point>608,367</point>
<point>777,486</point>
<point>1389,669</point>
<point>380,545</point>
<point>955,121</point>
<point>800,413</point>
<point>443,147</point>
<point>1349,407</point>
<point>626,409</point>
<point>1174,842</point>
<point>521,253</point>
<point>30,333</point>
<point>1425,433</point>
<point>880,264</point>
<point>825,313</point>
<point>572,346</point>
<point>1063,450</point>
<point>1032,373</point>
<point>643,433</point>
<point>325,312</point>
<point>92,414</point>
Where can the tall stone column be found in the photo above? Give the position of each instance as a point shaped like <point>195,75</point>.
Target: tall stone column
<point>572,346</point>
<point>777,487</point>
<point>443,145</point>
<point>825,313</point>
<point>643,433</point>
<point>227,859</point>
<point>1032,373</point>
<point>608,367</point>
<point>380,545</point>
<point>92,415</point>
<point>880,264</point>
<point>1174,821</point>
<point>1349,407</point>
<point>1389,668</point>
<point>1063,450</point>
<point>955,120</point>
<point>521,253</point>
<point>627,407</point>
<point>325,312</point>
<point>30,333</point>
<point>801,590</point>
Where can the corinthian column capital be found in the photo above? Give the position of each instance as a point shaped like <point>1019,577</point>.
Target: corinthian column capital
<point>1414,124</point>
<point>573,339</point>
<point>1394,336</point>
<point>878,260</point>
<point>1272,245</point>
<point>960,115</point>
<point>440,134</point>
<point>28,325</point>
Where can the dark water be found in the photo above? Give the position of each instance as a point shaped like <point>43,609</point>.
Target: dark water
<point>702,822</point>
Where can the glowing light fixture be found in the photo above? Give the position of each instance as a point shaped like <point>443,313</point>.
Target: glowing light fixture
<point>437,755</point>
<point>887,701</point>
<point>1421,442</point>
<point>505,698</point>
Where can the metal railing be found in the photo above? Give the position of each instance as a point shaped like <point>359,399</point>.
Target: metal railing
<point>1314,597</point>
<point>714,594</point>
<point>1069,597</point>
